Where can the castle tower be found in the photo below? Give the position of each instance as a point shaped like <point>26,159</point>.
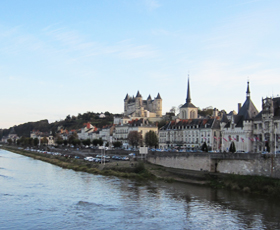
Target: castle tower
<point>138,105</point>
<point>125,104</point>
<point>188,110</point>
<point>158,106</point>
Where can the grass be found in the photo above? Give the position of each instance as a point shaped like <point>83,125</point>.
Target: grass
<point>119,169</point>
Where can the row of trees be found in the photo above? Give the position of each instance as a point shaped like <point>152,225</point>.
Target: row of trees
<point>135,139</point>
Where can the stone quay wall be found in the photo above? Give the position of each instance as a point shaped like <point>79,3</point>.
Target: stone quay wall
<point>253,164</point>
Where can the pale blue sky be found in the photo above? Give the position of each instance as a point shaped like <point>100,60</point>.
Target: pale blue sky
<point>61,57</point>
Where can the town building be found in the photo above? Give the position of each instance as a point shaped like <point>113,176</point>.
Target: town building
<point>42,136</point>
<point>266,130</point>
<point>142,126</point>
<point>84,132</point>
<point>11,136</point>
<point>189,131</point>
<point>190,134</point>
<point>239,128</point>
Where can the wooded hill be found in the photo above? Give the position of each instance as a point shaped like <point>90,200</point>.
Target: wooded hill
<point>69,123</point>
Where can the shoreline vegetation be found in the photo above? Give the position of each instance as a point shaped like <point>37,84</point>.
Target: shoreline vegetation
<point>140,170</point>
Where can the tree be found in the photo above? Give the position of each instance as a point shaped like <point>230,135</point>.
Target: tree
<point>10,141</point>
<point>134,138</point>
<point>72,138</point>
<point>204,147</point>
<point>36,141</point>
<point>117,144</point>
<point>44,140</point>
<point>76,142</point>
<point>232,148</point>
<point>86,142</point>
<point>151,139</point>
<point>59,140</point>
<point>96,142</point>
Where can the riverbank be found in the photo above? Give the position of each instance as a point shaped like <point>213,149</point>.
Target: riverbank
<point>146,171</point>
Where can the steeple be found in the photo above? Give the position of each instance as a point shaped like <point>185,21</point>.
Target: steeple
<point>248,90</point>
<point>188,100</point>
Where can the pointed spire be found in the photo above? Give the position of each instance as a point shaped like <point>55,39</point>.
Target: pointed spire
<point>126,97</point>
<point>149,98</point>
<point>188,100</point>
<point>158,96</point>
<point>248,90</point>
<point>138,94</point>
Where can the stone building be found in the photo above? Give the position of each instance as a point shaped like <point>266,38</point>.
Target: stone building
<point>137,107</point>
<point>266,126</point>
<point>190,134</point>
<point>142,126</point>
<point>239,129</point>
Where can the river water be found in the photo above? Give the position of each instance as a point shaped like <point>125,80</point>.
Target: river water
<point>38,195</point>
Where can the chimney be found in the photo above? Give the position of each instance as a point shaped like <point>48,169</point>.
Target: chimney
<point>239,107</point>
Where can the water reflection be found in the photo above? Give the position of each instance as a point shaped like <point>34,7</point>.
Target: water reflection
<point>38,195</point>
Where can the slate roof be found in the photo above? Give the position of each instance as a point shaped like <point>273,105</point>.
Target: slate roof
<point>195,123</point>
<point>188,103</point>
<point>247,112</point>
<point>158,96</point>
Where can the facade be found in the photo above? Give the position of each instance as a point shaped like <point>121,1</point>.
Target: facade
<point>137,107</point>
<point>266,130</point>
<point>88,128</point>
<point>142,126</point>
<point>239,129</point>
<point>190,134</point>
<point>188,110</point>
<point>105,134</point>
<point>41,135</point>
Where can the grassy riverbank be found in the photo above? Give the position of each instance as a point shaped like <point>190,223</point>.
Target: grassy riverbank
<point>146,171</point>
<point>125,169</point>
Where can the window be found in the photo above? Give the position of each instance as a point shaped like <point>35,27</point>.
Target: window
<point>255,126</point>
<point>237,137</point>
<point>260,126</point>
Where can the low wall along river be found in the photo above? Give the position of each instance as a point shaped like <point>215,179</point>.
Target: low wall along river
<point>252,164</point>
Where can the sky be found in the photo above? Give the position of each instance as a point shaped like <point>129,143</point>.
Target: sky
<point>64,57</point>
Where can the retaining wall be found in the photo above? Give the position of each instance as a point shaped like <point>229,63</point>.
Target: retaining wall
<point>242,164</point>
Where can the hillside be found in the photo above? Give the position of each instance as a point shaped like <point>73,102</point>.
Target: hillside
<point>70,123</point>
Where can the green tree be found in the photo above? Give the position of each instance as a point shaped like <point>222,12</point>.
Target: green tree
<point>204,147</point>
<point>151,139</point>
<point>86,142</point>
<point>36,141</point>
<point>232,148</point>
<point>59,140</point>
<point>65,142</point>
<point>76,142</point>
<point>96,142</point>
<point>10,141</point>
<point>134,138</point>
<point>44,141</point>
<point>117,144</point>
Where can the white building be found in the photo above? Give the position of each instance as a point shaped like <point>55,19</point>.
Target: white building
<point>190,134</point>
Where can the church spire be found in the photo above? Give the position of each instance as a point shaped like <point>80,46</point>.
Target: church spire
<point>188,100</point>
<point>248,90</point>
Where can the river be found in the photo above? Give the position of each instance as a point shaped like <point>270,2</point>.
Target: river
<point>38,195</point>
